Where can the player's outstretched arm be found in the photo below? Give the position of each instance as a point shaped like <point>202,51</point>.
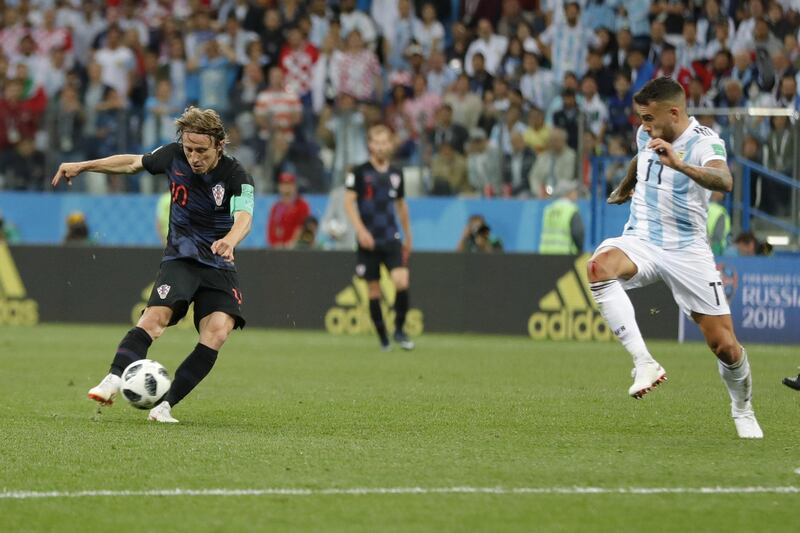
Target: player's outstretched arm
<point>624,190</point>
<point>116,164</point>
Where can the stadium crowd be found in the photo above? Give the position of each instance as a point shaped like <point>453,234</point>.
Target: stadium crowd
<point>485,97</point>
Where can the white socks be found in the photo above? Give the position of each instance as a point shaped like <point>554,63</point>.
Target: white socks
<point>617,309</point>
<point>739,381</point>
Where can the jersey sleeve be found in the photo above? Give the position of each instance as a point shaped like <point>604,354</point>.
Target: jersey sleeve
<point>242,190</point>
<point>711,149</point>
<point>158,161</point>
<point>354,180</point>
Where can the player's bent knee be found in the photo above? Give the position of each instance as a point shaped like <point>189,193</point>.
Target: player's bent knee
<point>597,268</point>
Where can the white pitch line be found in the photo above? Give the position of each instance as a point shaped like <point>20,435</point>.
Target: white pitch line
<point>361,491</point>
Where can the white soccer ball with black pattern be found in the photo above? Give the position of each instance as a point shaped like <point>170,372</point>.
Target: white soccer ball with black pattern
<point>145,383</point>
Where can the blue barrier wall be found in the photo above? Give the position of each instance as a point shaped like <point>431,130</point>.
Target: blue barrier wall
<point>129,220</point>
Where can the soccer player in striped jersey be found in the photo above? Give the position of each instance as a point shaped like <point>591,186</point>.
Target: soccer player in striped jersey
<point>669,182</point>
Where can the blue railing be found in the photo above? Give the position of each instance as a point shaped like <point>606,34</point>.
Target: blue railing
<point>748,211</point>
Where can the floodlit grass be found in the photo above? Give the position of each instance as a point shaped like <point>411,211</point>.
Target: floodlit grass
<point>309,410</point>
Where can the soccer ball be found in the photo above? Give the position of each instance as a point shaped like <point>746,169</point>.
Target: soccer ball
<point>145,383</point>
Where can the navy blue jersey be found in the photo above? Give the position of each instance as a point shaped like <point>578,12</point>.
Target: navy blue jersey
<point>200,211</point>
<point>376,193</point>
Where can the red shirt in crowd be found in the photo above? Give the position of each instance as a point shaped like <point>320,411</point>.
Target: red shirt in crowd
<point>285,219</point>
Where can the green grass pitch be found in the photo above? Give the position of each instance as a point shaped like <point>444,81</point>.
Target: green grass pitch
<point>306,410</point>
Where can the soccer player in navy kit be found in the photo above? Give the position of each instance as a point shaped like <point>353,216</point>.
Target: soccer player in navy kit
<point>375,193</point>
<point>211,212</point>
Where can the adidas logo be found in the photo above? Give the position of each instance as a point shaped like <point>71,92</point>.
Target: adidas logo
<point>15,308</point>
<point>351,316</point>
<point>569,312</point>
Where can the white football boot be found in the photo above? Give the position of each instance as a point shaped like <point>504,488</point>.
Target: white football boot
<point>746,424</point>
<point>162,413</point>
<point>646,376</point>
<point>105,391</point>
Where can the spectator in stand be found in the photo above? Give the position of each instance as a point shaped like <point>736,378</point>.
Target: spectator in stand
<point>490,45</point>
<point>297,61</point>
<point>779,21</point>
<point>788,96</point>
<point>634,14</point>
<point>658,40</point>
<point>566,43</point>
<point>49,36</point>
<point>110,137</point>
<point>456,53</point>
<point>429,34</point>
<point>271,35</point>
<point>359,70</point>
<point>537,134</point>
<point>620,107</point>
<point>446,131</point>
<point>65,119</point>
<point>237,39</point>
<point>640,68</point>
<point>320,16</point>
<point>399,35</point>
<point>594,108</point>
<point>19,116</point>
<point>732,96</point>
<point>669,68</point>
<point>117,63</point>
<point>440,76</point>
<point>603,75</point>
<point>343,129</point>
<point>287,215</point>
<point>420,109</point>
<point>398,120</point>
<point>480,80</point>
<point>697,97</point>
<point>174,68</point>
<point>449,172</point>
<point>556,165</point>
<point>722,40</point>
<point>567,117</point>
<point>23,167</point>
<point>517,167</point>
<point>159,119</point>
<point>747,27</point>
<point>36,63</point>
<point>354,20</point>
<point>537,84</point>
<point>502,131</point>
<point>465,104</point>
<point>512,17</point>
<point>489,113</point>
<point>720,72</point>
<point>215,66</point>
<point>780,158</point>
<point>291,12</point>
<point>761,38</point>
<point>14,28</point>
<point>707,25</point>
<point>689,49</point>
<point>246,92</point>
<point>277,113</point>
<point>619,59</point>
<point>483,164</point>
<point>511,64</point>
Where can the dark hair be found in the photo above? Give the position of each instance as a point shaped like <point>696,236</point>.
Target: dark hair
<point>659,90</point>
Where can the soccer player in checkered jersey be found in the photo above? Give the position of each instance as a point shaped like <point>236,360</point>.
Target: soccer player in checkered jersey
<point>374,200</point>
<point>669,181</point>
<point>211,212</point>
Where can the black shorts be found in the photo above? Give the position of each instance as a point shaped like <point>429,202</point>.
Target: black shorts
<point>369,261</point>
<point>183,281</point>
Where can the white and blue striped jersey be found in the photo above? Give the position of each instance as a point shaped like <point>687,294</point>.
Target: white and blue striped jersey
<point>668,208</point>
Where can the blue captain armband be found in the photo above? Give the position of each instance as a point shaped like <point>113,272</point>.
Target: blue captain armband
<point>243,202</point>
